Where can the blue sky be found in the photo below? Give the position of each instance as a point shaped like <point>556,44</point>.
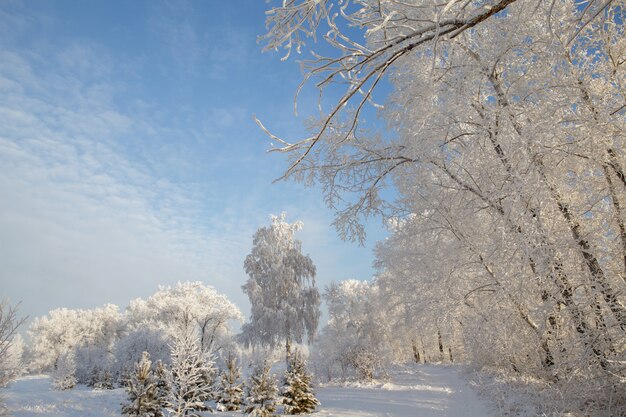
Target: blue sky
<point>129,154</point>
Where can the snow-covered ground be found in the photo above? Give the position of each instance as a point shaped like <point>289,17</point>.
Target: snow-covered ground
<point>416,391</point>
<point>424,391</point>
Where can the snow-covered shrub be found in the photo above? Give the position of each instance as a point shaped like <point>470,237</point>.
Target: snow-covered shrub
<point>229,395</point>
<point>143,400</point>
<point>191,377</point>
<point>64,377</point>
<point>365,362</point>
<point>355,342</point>
<point>261,393</point>
<point>297,395</point>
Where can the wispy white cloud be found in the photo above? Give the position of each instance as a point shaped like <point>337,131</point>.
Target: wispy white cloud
<point>106,194</point>
<point>82,221</point>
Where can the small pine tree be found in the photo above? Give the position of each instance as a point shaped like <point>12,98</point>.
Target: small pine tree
<point>105,380</point>
<point>142,393</point>
<point>230,392</point>
<point>65,374</point>
<point>190,379</point>
<point>95,377</point>
<point>262,393</point>
<point>162,383</point>
<point>297,396</point>
<point>124,377</point>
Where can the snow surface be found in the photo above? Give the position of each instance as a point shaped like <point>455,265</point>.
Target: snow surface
<point>420,390</point>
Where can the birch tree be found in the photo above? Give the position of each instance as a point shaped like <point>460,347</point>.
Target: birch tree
<point>281,287</point>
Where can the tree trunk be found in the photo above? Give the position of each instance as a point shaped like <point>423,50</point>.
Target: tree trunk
<point>288,351</point>
<point>416,353</point>
<point>439,339</point>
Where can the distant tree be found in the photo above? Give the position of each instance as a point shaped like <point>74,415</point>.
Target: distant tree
<point>91,363</point>
<point>191,378</point>
<point>143,400</point>
<point>64,376</point>
<point>230,392</point>
<point>10,357</point>
<point>281,287</point>
<point>105,380</point>
<point>187,307</point>
<point>261,393</point>
<point>297,394</point>
<point>129,348</point>
<point>355,342</point>
<point>65,329</point>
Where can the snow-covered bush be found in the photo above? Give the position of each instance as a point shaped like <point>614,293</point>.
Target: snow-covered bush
<point>261,393</point>
<point>64,376</point>
<point>143,399</point>
<point>355,342</point>
<point>297,395</point>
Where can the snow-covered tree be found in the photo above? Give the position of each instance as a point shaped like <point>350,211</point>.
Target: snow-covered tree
<point>128,350</point>
<point>191,377</point>
<point>261,393</point>
<point>230,391</point>
<point>143,400</point>
<point>297,395</point>
<point>162,383</point>
<point>504,143</point>
<point>91,364</point>
<point>187,307</point>
<point>104,379</point>
<point>281,288</point>
<point>64,376</point>
<point>355,342</point>
<point>11,346</point>
<point>69,329</point>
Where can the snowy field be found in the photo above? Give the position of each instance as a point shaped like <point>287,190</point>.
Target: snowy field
<point>419,391</point>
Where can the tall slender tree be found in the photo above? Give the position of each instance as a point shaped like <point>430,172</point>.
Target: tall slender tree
<point>285,302</point>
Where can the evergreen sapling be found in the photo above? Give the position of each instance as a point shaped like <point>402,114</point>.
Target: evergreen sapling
<point>230,391</point>
<point>297,395</point>
<point>162,383</point>
<point>190,379</point>
<point>142,392</point>
<point>261,392</point>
